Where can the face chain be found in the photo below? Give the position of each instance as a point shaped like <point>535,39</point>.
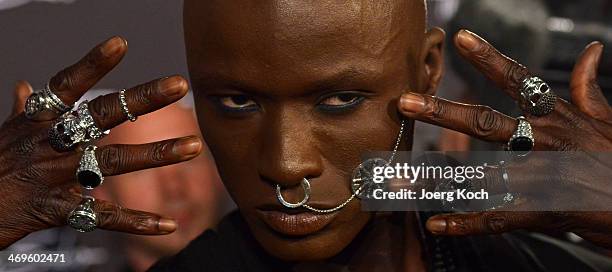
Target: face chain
<point>356,192</point>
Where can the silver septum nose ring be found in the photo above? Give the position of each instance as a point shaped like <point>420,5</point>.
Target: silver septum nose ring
<point>281,199</point>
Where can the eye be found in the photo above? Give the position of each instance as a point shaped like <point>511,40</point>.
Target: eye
<point>237,103</point>
<point>341,101</point>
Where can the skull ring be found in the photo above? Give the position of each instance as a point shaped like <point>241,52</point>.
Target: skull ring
<point>536,97</point>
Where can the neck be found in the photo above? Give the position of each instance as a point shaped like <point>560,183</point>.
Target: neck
<point>390,242</point>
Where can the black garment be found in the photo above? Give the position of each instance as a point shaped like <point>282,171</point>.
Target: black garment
<point>232,248</point>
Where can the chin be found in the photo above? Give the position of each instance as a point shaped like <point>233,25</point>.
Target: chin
<point>301,245</point>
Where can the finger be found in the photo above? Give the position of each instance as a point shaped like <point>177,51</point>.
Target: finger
<point>57,205</point>
<point>72,82</point>
<point>107,112</point>
<point>585,92</point>
<point>486,222</point>
<point>479,121</point>
<point>530,176</point>
<point>506,73</point>
<point>116,218</point>
<point>22,92</point>
<point>121,159</point>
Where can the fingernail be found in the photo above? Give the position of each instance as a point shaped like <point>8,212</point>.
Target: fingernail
<point>173,86</point>
<point>594,43</point>
<point>112,46</point>
<point>600,52</point>
<point>187,146</point>
<point>412,103</point>
<point>467,40</point>
<point>167,225</point>
<point>436,226</point>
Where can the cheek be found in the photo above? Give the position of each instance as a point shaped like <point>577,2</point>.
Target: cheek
<point>231,143</point>
<point>343,144</point>
<point>340,140</point>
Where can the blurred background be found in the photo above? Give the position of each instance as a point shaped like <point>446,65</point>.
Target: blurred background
<point>38,38</point>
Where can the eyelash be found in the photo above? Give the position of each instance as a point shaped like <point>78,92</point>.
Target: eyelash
<point>219,101</point>
<point>354,100</point>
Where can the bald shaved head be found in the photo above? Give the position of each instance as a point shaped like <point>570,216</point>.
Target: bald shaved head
<point>292,89</point>
<point>313,31</point>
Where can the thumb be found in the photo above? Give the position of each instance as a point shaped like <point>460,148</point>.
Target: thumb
<point>22,92</point>
<point>585,92</point>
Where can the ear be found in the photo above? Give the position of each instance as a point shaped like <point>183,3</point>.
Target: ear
<point>433,59</point>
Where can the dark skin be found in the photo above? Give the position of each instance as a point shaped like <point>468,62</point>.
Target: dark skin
<point>289,80</point>
<point>36,177</point>
<point>295,78</point>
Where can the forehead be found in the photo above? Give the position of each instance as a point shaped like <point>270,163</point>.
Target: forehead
<point>299,39</point>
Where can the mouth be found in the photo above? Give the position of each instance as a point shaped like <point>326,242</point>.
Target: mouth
<point>294,222</point>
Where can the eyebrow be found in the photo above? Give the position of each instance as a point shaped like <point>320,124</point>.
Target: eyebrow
<point>337,80</point>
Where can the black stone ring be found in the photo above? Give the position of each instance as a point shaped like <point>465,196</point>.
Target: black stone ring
<point>89,174</point>
<point>522,141</point>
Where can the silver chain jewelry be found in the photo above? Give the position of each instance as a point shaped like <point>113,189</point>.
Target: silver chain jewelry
<point>335,208</point>
<point>357,191</point>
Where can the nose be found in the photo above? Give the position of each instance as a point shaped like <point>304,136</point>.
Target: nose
<point>289,151</point>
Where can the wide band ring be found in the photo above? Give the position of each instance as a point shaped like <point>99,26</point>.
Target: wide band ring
<point>124,107</point>
<point>522,141</point>
<point>83,218</point>
<point>536,97</point>
<point>74,127</point>
<point>305,186</point>
<point>88,174</point>
<point>44,104</point>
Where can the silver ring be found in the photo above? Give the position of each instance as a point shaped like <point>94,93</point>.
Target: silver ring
<point>508,197</point>
<point>88,174</point>
<point>305,186</point>
<point>124,107</point>
<point>74,127</point>
<point>45,105</point>
<point>522,141</point>
<point>83,218</point>
<point>536,97</point>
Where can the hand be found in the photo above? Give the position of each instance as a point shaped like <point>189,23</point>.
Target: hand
<point>38,185</point>
<point>583,125</point>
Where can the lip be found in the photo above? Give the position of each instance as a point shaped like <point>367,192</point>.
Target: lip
<point>293,224</point>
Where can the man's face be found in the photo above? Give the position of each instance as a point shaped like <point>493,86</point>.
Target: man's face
<point>287,90</point>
